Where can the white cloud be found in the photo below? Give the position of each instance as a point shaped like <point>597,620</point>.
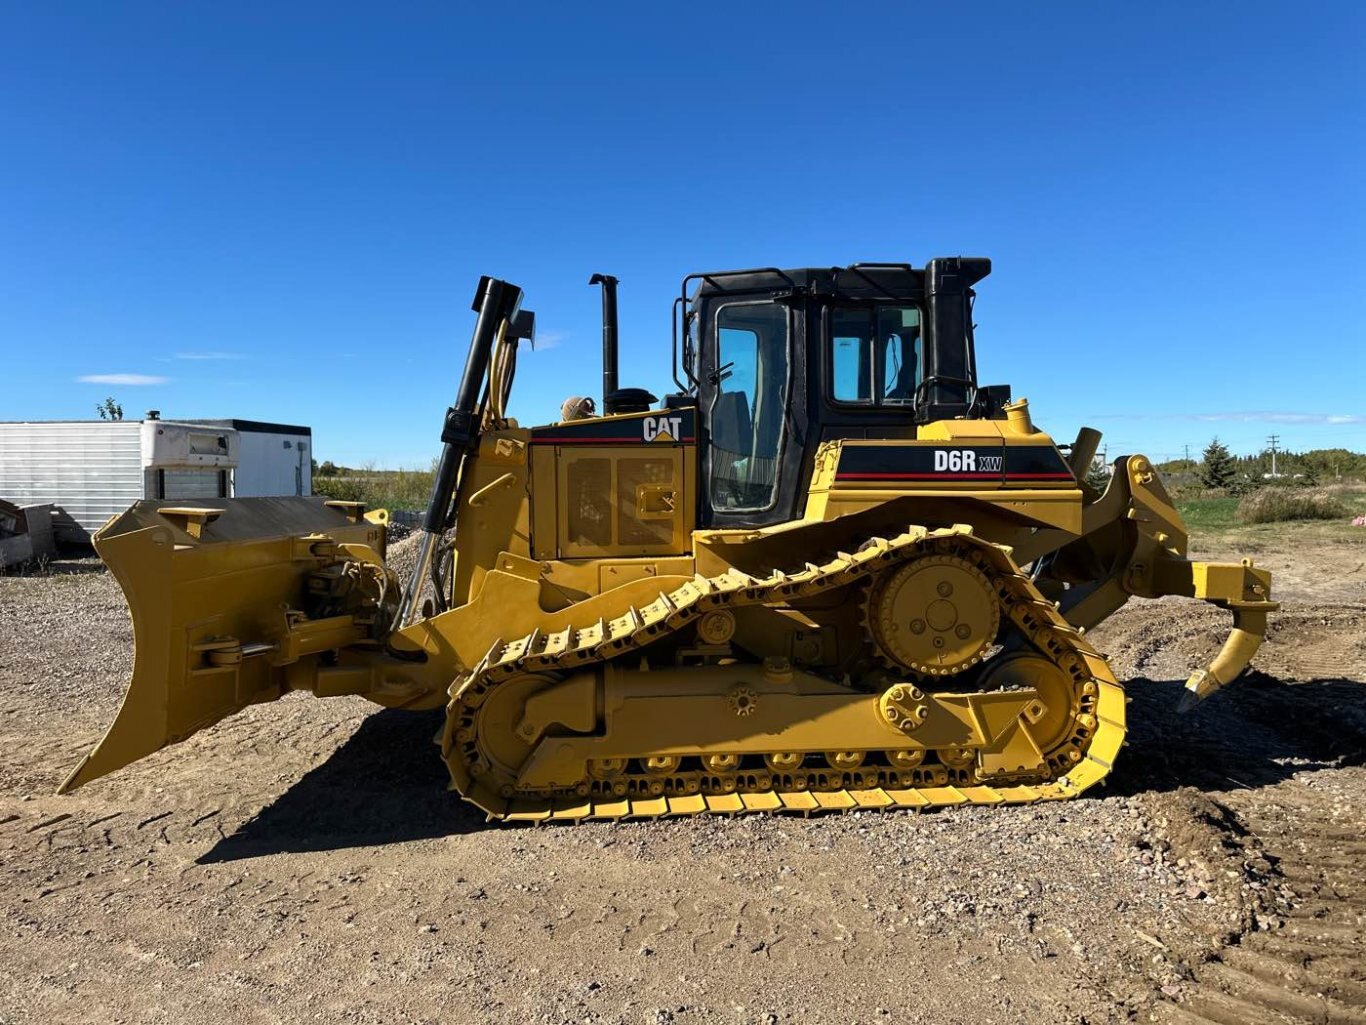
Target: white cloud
<point>127,379</point>
<point>1254,416</point>
<point>208,355</point>
<point>548,339</point>
<point>1283,418</point>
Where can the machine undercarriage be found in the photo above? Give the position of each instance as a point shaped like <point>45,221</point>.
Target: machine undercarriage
<point>656,712</point>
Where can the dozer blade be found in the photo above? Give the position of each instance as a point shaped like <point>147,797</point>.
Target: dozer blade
<point>214,593</point>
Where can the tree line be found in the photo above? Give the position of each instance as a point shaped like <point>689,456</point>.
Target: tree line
<point>1220,468</point>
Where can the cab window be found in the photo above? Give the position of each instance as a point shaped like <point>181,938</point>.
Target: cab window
<point>874,354</point>
<point>747,417</point>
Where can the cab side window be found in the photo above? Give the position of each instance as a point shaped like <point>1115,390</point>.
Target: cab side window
<point>874,354</point>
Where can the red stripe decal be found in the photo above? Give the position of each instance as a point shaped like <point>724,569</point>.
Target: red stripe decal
<point>609,441</point>
<point>952,476</point>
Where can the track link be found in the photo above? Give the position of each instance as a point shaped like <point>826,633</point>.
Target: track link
<point>1081,760</point>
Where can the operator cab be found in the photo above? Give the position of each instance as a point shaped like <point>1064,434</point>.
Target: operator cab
<point>778,361</point>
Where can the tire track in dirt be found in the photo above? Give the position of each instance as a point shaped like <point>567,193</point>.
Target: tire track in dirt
<point>1304,963</point>
<point>1280,756</point>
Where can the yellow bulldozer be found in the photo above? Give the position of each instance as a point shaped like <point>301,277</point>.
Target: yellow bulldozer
<point>831,571</point>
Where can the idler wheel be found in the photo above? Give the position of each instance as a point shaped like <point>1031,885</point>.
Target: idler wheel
<point>1053,716</point>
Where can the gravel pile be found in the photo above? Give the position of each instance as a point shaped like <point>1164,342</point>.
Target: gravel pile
<point>402,555</point>
<point>396,532</point>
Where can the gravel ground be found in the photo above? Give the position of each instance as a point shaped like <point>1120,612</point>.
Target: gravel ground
<point>302,861</point>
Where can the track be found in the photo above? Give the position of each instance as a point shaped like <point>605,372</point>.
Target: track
<point>1083,757</point>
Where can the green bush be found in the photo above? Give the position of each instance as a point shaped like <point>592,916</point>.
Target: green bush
<point>1274,505</point>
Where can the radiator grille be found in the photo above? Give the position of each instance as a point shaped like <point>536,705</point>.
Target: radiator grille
<point>589,502</point>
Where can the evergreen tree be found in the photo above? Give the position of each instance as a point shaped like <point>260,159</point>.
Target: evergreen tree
<point>1098,477</point>
<point>1219,467</point>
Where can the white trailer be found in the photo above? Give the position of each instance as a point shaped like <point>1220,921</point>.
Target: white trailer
<point>274,459</point>
<point>92,469</point>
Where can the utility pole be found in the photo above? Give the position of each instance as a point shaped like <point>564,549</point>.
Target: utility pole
<point>1188,454</point>
<point>1273,441</point>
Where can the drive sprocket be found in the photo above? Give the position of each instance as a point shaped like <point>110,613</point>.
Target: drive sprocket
<point>935,616</point>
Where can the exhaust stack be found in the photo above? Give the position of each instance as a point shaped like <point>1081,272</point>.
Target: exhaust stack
<point>609,340</point>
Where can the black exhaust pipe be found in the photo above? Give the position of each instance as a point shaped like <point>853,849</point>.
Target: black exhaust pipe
<point>609,339</point>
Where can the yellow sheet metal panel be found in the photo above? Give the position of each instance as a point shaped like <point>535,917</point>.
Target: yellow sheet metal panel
<point>545,503</point>
<point>622,501</point>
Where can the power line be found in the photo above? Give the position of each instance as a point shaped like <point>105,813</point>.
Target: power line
<point>1273,440</point>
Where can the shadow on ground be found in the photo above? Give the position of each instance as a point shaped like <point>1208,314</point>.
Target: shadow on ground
<point>1254,733</point>
<point>386,784</point>
<point>80,563</point>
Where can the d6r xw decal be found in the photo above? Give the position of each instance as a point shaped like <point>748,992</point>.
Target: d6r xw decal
<point>964,460</point>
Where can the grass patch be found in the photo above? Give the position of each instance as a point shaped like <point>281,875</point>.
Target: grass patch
<point>1277,505</point>
<point>1208,515</point>
<point>1213,518</point>
<point>379,489</point>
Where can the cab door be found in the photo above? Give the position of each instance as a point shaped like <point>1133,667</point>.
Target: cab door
<point>753,396</point>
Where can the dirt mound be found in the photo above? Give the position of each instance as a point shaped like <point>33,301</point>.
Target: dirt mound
<point>1300,955</point>
<point>401,557</point>
<point>1325,640</point>
<point>1247,800</point>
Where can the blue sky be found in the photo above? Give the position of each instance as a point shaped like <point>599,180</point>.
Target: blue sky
<point>280,211</point>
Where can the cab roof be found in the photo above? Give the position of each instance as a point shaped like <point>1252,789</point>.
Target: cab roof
<point>857,281</point>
